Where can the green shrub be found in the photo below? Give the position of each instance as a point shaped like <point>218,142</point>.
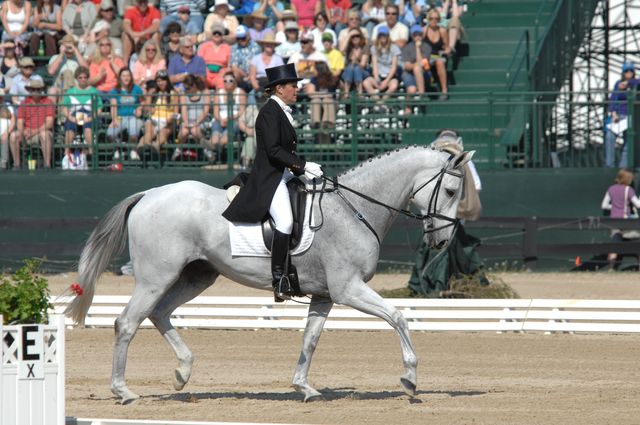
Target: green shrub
<point>24,297</point>
<point>462,286</point>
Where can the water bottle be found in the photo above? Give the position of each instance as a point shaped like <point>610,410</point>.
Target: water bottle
<point>41,48</point>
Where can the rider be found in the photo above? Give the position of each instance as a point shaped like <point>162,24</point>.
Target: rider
<point>276,163</point>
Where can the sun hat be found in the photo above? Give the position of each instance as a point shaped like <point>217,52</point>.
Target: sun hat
<point>68,39</point>
<point>269,38</point>
<point>291,26</point>
<point>35,84</point>
<point>221,3</point>
<point>101,25</point>
<point>307,36</point>
<point>26,61</point>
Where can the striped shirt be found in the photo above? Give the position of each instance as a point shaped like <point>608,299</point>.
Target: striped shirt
<point>170,7</point>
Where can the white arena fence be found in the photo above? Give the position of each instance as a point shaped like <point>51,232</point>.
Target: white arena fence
<point>495,315</point>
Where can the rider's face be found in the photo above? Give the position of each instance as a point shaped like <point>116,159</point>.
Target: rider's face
<point>288,92</point>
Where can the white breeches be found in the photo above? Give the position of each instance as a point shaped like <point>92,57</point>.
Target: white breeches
<point>280,209</point>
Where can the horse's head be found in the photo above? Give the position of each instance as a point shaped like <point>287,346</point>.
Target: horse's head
<point>437,196</point>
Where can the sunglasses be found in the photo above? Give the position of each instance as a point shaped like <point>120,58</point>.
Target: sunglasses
<point>231,81</point>
<point>305,42</point>
<point>28,67</point>
<point>151,49</point>
<point>217,33</point>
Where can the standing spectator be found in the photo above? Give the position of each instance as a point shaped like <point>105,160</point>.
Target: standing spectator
<point>63,65</point>
<point>162,116</point>
<point>260,62</point>
<point>216,55</point>
<point>618,121</point>
<point>353,23</point>
<point>415,58</point>
<point>35,123</point>
<point>291,45</point>
<point>336,12</point>
<point>438,40</point>
<point>47,24</point>
<point>321,27</point>
<point>305,62</point>
<point>373,13</point>
<point>187,63</point>
<point>357,60</point>
<point>188,15</point>
<point>140,23</point>
<point>256,24</point>
<point>18,89</point>
<point>78,107</point>
<point>384,64</point>
<point>398,32</point>
<point>287,16</point>
<point>241,54</point>
<point>105,67</point>
<point>221,113</point>
<point>149,63</point>
<point>7,128</point>
<point>78,17</point>
<point>16,15</point>
<point>222,16</point>
<point>620,199</point>
<point>272,9</point>
<point>108,15</point>
<point>8,65</point>
<point>171,41</point>
<point>125,110</point>
<point>306,10</point>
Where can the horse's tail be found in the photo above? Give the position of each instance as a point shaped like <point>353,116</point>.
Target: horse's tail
<point>106,241</point>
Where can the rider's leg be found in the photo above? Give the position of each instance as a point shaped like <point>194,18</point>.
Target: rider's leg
<point>280,211</point>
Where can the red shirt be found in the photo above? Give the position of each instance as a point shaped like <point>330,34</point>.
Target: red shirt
<point>35,116</point>
<point>140,21</point>
<point>337,10</point>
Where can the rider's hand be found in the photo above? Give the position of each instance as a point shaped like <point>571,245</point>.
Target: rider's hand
<point>312,170</point>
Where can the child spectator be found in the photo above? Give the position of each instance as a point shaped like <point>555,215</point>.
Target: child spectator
<point>7,126</point>
<point>149,63</point>
<point>47,24</point>
<point>163,106</point>
<point>384,64</point>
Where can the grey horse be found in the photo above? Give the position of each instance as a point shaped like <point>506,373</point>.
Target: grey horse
<point>179,245</point>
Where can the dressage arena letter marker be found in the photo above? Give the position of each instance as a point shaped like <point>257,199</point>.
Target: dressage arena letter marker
<point>31,360</point>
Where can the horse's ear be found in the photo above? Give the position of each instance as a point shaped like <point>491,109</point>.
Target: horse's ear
<point>462,158</point>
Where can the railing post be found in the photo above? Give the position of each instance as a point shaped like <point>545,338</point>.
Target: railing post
<point>94,135</point>
<point>529,243</point>
<point>630,141</point>
<point>230,131</point>
<point>490,136</point>
<point>354,128</point>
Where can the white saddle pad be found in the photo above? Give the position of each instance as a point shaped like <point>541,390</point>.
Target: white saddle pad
<point>246,239</point>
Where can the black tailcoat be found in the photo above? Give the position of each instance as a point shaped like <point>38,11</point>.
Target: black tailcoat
<point>276,150</point>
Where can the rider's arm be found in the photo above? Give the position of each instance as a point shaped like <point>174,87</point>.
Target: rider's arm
<point>270,138</point>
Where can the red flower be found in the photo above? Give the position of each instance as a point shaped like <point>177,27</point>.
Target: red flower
<point>75,287</point>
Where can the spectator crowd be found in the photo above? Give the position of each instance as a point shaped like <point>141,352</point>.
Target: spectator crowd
<point>184,72</point>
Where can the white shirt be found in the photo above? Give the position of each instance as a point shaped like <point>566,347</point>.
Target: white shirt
<point>286,108</point>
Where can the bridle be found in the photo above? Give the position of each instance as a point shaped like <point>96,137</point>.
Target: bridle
<point>427,219</point>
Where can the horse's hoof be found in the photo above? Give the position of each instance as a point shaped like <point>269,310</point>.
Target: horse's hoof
<point>179,380</point>
<point>129,400</point>
<point>126,395</point>
<point>313,397</point>
<point>310,394</point>
<point>408,386</point>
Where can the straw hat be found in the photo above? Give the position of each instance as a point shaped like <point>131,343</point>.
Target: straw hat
<point>248,20</point>
<point>269,39</point>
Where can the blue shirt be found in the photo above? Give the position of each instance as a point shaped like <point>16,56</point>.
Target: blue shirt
<point>127,101</point>
<point>196,66</point>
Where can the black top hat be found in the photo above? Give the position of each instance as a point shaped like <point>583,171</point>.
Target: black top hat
<point>281,74</point>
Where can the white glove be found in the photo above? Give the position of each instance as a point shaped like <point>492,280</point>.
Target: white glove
<point>312,170</point>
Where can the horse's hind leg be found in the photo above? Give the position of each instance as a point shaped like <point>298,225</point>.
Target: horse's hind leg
<point>359,296</point>
<point>318,311</point>
<point>194,279</point>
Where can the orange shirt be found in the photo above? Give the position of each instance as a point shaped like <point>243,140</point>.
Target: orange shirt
<point>110,81</point>
<point>212,55</point>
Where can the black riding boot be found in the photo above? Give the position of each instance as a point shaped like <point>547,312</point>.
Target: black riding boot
<point>279,259</point>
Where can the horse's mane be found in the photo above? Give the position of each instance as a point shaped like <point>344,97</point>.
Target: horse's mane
<point>380,156</point>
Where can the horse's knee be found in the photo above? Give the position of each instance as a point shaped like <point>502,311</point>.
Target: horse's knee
<point>124,329</point>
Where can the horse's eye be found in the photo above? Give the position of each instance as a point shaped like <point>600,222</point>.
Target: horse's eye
<point>450,193</point>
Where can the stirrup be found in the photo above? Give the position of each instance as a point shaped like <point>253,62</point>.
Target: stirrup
<point>282,290</point>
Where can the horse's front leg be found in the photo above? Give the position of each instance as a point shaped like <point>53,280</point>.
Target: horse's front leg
<point>319,309</point>
<point>361,297</point>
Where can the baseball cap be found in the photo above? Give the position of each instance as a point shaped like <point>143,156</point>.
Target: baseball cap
<point>385,30</point>
<point>326,36</point>
<point>307,36</point>
<point>628,66</point>
<point>416,28</point>
<point>241,31</point>
<point>291,26</point>
<point>106,5</point>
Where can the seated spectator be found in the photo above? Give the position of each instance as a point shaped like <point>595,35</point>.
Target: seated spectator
<point>356,59</point>
<point>241,54</point>
<point>398,32</point>
<point>164,108</point>
<point>450,13</point>
<point>335,58</point>
<point>336,12</point>
<point>256,24</point>
<point>125,111</point>
<point>411,11</point>
<point>306,10</point>
<point>107,14</point>
<point>321,27</point>
<point>194,110</point>
<point>216,55</point>
<point>35,124</point>
<point>136,53</point>
<point>188,15</point>
<point>436,37</point>
<point>220,126</point>
<point>187,63</point>
<point>99,32</point>
<point>16,16</point>
<point>62,67</point>
<point>78,103</point>
<point>287,16</point>
<point>260,62</point>
<point>384,64</point>
<point>373,13</point>
<point>171,41</point>
<point>323,104</point>
<point>291,44</point>
<point>105,67</point>
<point>7,128</point>
<point>18,89</point>
<point>353,23</point>
<point>47,27</point>
<point>222,16</point>
<point>149,63</point>
<point>416,67</point>
<point>247,124</point>
<point>305,62</point>
<point>78,17</point>
<point>140,23</point>
<point>272,9</point>
<point>8,65</point>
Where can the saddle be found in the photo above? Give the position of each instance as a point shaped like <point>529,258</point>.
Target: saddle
<point>298,198</point>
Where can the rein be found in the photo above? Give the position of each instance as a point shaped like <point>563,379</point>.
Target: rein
<point>425,218</point>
